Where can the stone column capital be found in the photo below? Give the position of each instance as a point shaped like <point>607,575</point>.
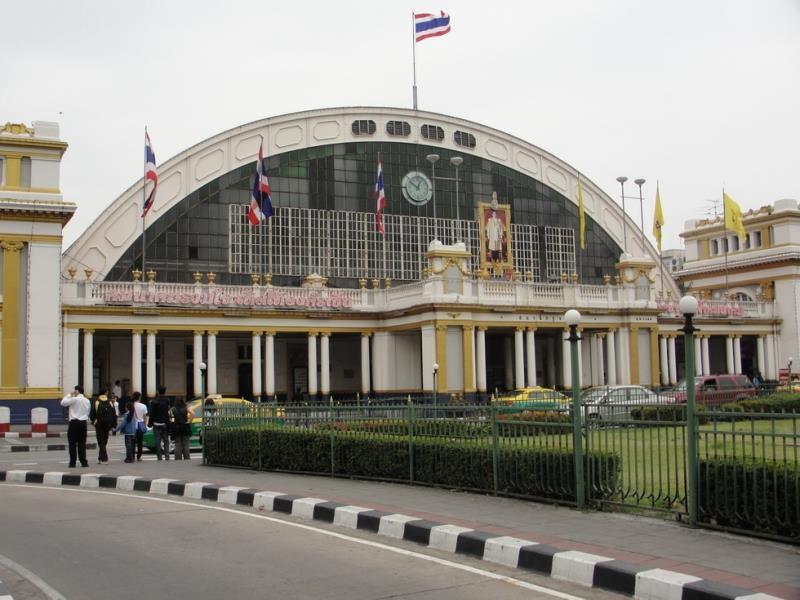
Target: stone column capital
<point>137,331</point>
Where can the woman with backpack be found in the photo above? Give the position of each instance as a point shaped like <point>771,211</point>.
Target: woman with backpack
<point>127,425</point>
<point>181,428</point>
<point>104,418</point>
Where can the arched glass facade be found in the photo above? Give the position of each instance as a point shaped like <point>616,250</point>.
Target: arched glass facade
<point>194,235</point>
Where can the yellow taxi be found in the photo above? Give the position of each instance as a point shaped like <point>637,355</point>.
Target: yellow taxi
<point>534,398</point>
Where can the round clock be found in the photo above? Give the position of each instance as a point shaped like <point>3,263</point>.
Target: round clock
<point>417,188</point>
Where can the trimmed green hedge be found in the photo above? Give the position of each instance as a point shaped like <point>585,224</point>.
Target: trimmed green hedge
<point>781,402</point>
<point>674,414</point>
<point>758,497</point>
<point>530,472</point>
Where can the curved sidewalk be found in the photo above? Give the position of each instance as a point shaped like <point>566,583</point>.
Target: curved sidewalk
<point>643,544</point>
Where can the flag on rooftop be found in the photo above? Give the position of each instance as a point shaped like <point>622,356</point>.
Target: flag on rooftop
<point>427,25</point>
<point>150,173</point>
<point>380,194</point>
<point>658,219</point>
<point>581,216</point>
<point>260,200</point>
<point>733,215</point>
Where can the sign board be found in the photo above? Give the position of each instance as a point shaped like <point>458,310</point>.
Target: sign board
<point>783,376</point>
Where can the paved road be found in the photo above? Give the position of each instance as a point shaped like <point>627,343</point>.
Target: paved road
<point>93,544</point>
<point>736,560</point>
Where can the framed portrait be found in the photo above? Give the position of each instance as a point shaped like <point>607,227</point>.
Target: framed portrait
<point>495,234</point>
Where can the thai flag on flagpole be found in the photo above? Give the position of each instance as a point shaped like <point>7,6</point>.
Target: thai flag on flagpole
<point>380,194</point>
<point>150,173</point>
<point>260,200</point>
<point>427,25</point>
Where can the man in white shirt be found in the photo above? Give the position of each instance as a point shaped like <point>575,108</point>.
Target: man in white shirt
<point>140,412</point>
<point>79,407</point>
<point>117,391</point>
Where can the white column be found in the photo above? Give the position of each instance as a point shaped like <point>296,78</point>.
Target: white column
<point>762,363</point>
<point>566,362</point>
<point>662,350</point>
<point>136,360</point>
<point>601,376</point>
<point>729,354</point>
<point>324,359</point>
<point>519,359</point>
<point>737,354</point>
<point>256,364</point>
<point>508,349</point>
<point>530,353</point>
<point>70,345</point>
<point>706,358</point>
<point>197,358</point>
<point>211,362</point>
<point>673,361</point>
<point>480,358</point>
<point>312,363</point>
<point>771,359</point>
<point>624,356</point>
<point>88,362</point>
<point>150,376</point>
<point>269,363</point>
<point>611,357</point>
<point>365,367</point>
<point>551,362</point>
<point>698,355</point>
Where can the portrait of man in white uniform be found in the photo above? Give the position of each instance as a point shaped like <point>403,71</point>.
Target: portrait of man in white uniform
<point>495,229</point>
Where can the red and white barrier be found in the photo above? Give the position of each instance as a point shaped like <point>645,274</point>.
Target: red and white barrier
<point>5,419</point>
<point>39,418</point>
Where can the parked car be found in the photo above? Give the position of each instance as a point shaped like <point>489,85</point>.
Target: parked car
<point>714,390</point>
<point>221,405</point>
<point>532,398</point>
<point>613,402</point>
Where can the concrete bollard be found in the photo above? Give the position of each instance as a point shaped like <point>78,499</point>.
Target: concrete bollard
<point>39,420</point>
<point>5,419</point>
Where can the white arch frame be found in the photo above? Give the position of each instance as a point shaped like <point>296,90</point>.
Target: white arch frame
<point>119,225</point>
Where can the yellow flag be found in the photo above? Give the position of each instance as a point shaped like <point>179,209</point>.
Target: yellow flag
<point>581,216</point>
<point>733,215</point>
<point>658,220</point>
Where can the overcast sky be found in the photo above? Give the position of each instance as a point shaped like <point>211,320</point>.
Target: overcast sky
<point>695,94</point>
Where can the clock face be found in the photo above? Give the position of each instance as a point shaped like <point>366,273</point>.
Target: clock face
<point>417,188</point>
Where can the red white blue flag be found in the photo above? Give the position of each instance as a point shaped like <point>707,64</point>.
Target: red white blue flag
<point>260,200</point>
<point>150,173</point>
<point>380,194</point>
<point>427,25</point>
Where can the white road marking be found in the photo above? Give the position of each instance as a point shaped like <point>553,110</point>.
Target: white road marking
<point>32,577</point>
<point>333,534</point>
<point>28,464</point>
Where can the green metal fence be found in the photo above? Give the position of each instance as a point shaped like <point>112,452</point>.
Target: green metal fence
<point>634,453</point>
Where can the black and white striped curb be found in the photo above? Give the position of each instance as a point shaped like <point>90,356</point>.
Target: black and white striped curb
<point>4,595</point>
<point>569,565</point>
<point>39,448</point>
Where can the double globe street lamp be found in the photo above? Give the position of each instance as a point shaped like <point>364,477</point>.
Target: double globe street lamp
<point>456,161</point>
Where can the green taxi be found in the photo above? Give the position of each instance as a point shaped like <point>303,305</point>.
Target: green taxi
<point>531,399</point>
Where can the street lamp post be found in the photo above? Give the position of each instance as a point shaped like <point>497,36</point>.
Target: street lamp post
<point>622,179</point>
<point>640,183</point>
<point>456,162</point>
<point>688,307</point>
<point>432,158</point>
<point>435,376</point>
<point>203,367</point>
<point>573,318</point>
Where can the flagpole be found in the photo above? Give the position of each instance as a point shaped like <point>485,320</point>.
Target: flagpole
<point>660,251</point>
<point>725,240</point>
<point>414,58</point>
<point>144,213</point>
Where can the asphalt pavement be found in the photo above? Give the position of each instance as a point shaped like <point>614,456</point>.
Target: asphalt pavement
<point>759,565</point>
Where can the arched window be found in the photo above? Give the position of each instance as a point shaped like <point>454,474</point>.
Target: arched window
<point>714,247</point>
<point>25,172</point>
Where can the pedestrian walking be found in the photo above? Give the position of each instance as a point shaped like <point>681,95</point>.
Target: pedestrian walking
<point>127,425</point>
<point>140,411</point>
<point>104,419</point>
<point>114,400</point>
<point>181,428</point>
<point>79,407</point>
<point>159,421</point>
<point>117,389</point>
